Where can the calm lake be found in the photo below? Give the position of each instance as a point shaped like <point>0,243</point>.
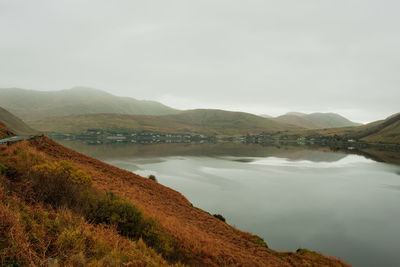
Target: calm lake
<point>344,205</point>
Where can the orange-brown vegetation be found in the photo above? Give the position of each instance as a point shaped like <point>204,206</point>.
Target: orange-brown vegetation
<point>30,235</point>
<point>4,131</point>
<point>206,240</point>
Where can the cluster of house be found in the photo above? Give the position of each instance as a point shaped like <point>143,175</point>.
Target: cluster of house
<point>102,136</point>
<point>96,136</point>
<point>278,137</point>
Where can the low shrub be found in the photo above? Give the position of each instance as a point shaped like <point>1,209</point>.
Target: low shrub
<point>32,236</point>
<point>258,241</point>
<point>20,160</point>
<point>2,169</point>
<point>110,209</point>
<point>304,251</point>
<point>219,217</point>
<point>65,170</point>
<point>59,184</point>
<point>153,177</point>
<point>129,221</point>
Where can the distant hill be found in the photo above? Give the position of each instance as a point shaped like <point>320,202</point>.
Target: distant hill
<point>14,124</point>
<point>316,120</point>
<point>30,104</point>
<point>298,120</point>
<point>201,121</point>
<point>384,131</point>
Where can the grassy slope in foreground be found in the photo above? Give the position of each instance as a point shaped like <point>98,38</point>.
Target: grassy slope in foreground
<point>207,240</point>
<point>30,104</point>
<point>32,235</point>
<point>200,121</point>
<point>16,125</point>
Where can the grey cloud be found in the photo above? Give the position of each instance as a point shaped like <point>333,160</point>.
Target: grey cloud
<point>256,56</point>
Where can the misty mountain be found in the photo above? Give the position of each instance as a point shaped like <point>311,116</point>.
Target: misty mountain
<point>316,120</point>
<point>31,104</point>
<point>199,121</point>
<point>15,124</point>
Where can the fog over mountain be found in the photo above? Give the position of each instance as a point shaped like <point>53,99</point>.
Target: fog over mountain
<point>263,57</point>
<point>30,104</point>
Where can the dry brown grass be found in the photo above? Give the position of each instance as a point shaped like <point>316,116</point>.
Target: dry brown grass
<point>30,235</point>
<point>209,241</point>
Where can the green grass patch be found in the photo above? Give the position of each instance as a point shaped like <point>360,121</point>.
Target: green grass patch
<point>258,241</point>
<point>303,251</point>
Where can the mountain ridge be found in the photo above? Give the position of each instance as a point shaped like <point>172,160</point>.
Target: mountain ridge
<point>78,100</point>
<point>34,104</point>
<point>198,121</point>
<point>317,120</point>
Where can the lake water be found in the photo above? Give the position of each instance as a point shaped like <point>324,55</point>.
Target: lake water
<point>344,205</point>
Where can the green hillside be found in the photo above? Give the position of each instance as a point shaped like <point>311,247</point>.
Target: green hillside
<point>385,131</point>
<point>201,121</point>
<point>30,104</point>
<point>316,120</point>
<point>298,120</point>
<point>15,124</point>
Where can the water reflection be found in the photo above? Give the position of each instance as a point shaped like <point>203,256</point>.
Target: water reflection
<point>338,203</point>
<point>206,149</point>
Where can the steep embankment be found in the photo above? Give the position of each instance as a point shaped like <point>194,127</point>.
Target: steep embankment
<point>31,104</point>
<point>316,120</point>
<point>13,123</point>
<point>209,122</point>
<point>4,131</point>
<point>207,240</point>
<point>32,235</point>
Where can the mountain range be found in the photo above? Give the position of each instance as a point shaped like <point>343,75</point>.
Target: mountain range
<point>80,108</point>
<point>30,104</point>
<point>141,221</point>
<point>200,121</point>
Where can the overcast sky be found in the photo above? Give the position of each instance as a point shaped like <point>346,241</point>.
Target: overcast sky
<point>263,56</point>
